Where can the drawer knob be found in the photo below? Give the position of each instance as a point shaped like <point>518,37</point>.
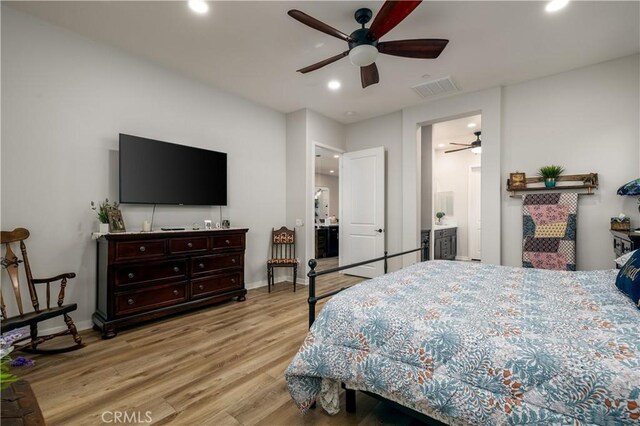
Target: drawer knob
<point>189,245</point>
<point>176,292</point>
<point>142,248</point>
<point>201,266</point>
<point>233,260</point>
<point>233,280</point>
<point>130,275</point>
<point>130,302</point>
<point>227,242</point>
<point>200,286</point>
<point>176,269</point>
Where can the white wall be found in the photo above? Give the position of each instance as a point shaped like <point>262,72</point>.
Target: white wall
<point>305,128</point>
<point>333,183</point>
<point>426,178</point>
<point>64,101</point>
<point>451,173</point>
<point>385,131</point>
<point>586,120</point>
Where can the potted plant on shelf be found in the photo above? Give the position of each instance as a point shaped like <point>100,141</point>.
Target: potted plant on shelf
<point>439,216</point>
<point>102,211</point>
<point>550,174</point>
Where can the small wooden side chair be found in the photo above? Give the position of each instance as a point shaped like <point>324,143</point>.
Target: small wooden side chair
<point>10,262</point>
<point>283,254</point>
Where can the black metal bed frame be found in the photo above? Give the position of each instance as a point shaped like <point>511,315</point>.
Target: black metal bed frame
<point>313,300</point>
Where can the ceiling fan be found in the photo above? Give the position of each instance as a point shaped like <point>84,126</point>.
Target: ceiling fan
<point>475,146</point>
<point>364,44</point>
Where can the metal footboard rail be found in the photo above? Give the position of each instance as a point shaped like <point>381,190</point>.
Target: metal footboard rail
<point>313,274</point>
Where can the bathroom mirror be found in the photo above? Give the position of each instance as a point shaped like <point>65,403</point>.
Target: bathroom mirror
<point>444,202</point>
<point>321,203</point>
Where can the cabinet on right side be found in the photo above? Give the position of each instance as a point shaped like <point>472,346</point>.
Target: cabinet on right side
<point>445,242</point>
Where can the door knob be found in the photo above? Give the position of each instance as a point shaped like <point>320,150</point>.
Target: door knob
<point>379,231</point>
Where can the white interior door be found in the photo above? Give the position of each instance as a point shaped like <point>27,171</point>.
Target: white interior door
<point>475,222</point>
<point>362,205</point>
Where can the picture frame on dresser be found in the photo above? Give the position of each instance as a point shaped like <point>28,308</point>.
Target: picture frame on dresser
<point>116,223</point>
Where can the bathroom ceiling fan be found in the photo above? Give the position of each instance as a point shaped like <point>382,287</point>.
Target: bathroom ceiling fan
<point>364,43</point>
<point>475,146</point>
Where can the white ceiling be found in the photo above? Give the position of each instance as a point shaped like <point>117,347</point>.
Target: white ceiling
<point>326,162</point>
<point>457,131</point>
<point>253,48</point>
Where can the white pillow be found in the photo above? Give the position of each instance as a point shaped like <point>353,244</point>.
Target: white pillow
<point>622,260</point>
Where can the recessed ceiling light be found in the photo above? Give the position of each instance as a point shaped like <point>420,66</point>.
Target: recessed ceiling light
<point>556,5</point>
<point>330,171</point>
<point>471,125</point>
<point>334,85</point>
<point>350,113</point>
<point>199,6</point>
<point>440,145</point>
<point>336,156</point>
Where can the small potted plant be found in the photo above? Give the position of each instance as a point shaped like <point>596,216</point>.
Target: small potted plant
<point>439,216</point>
<point>550,174</point>
<point>102,211</point>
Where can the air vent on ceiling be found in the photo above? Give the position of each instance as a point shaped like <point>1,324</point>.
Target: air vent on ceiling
<point>437,87</point>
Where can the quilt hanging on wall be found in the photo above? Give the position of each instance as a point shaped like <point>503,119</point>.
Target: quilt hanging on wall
<point>549,231</point>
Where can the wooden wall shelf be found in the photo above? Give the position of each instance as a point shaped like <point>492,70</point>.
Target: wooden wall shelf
<point>575,182</point>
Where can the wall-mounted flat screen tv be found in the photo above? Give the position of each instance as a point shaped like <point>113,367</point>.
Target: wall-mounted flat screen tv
<point>155,172</point>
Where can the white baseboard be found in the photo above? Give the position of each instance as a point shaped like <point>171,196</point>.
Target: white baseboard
<point>80,325</point>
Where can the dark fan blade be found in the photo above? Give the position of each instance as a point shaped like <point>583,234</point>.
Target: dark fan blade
<point>391,14</point>
<point>461,144</point>
<point>318,25</point>
<point>323,63</point>
<point>369,75</point>
<point>456,150</point>
<point>424,48</point>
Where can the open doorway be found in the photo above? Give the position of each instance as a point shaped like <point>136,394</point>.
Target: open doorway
<point>451,197</point>
<point>326,207</point>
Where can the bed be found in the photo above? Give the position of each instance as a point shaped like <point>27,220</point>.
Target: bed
<point>469,343</point>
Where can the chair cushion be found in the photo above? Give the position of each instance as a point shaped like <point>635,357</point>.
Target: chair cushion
<point>284,261</point>
<point>35,317</point>
<point>628,280</point>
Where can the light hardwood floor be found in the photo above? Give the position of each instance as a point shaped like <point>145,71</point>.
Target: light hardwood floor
<point>221,365</point>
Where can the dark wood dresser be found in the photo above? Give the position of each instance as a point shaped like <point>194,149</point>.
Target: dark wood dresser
<point>625,241</point>
<point>144,276</point>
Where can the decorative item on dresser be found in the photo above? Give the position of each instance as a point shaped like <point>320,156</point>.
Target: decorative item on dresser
<point>144,276</point>
<point>631,188</point>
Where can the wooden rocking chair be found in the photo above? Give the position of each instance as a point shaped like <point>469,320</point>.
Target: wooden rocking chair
<point>10,262</point>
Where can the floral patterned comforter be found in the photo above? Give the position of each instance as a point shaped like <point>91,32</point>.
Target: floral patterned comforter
<point>467,343</point>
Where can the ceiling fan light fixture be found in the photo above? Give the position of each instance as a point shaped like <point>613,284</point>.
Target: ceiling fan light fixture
<point>477,150</point>
<point>363,55</point>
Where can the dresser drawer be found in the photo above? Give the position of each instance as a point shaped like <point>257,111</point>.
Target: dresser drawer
<point>150,298</point>
<point>207,264</point>
<point>229,242</point>
<point>130,250</point>
<point>188,245</point>
<point>149,272</point>
<point>202,287</point>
